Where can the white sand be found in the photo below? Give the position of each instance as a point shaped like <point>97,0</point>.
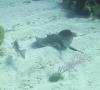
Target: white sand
<point>22,20</point>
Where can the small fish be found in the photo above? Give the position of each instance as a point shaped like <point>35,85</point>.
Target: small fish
<point>17,49</point>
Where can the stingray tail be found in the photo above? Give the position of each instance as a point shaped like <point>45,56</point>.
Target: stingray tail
<point>74,49</point>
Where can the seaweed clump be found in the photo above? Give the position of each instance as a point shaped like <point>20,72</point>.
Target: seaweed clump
<point>75,8</point>
<point>94,8</point>
<point>84,8</point>
<point>56,77</point>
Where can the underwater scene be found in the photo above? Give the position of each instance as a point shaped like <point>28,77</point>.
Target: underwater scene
<point>49,44</point>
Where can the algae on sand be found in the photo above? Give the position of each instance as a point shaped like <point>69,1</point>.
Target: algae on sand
<point>1,39</point>
<point>1,34</point>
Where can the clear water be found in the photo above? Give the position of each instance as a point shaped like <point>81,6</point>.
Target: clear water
<point>76,68</point>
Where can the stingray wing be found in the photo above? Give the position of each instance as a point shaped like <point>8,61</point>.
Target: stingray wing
<point>39,43</point>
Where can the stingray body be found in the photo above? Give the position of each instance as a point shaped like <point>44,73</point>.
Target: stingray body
<point>60,41</point>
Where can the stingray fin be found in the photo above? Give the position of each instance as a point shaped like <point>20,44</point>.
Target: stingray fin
<point>48,35</point>
<point>22,53</point>
<point>37,38</point>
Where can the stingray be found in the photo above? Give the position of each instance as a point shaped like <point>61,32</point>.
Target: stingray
<point>60,41</point>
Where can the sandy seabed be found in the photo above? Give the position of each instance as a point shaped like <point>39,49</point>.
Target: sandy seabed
<point>24,20</point>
